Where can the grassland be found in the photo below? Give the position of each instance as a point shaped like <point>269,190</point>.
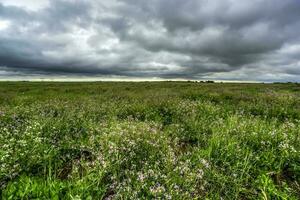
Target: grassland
<point>163,140</point>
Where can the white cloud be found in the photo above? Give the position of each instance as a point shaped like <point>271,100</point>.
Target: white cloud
<point>27,4</point>
<point>4,24</point>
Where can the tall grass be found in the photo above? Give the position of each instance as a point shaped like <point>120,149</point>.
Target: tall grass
<point>163,140</point>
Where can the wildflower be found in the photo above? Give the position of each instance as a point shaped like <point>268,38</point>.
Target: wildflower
<point>205,163</point>
<point>141,177</point>
<point>200,173</point>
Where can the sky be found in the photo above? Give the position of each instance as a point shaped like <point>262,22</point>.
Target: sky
<point>257,40</point>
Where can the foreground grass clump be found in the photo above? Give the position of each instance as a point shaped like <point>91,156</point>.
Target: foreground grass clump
<point>164,140</point>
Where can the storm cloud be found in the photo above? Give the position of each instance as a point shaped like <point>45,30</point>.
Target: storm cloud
<point>189,39</point>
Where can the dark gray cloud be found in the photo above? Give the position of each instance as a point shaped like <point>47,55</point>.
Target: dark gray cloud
<point>217,39</point>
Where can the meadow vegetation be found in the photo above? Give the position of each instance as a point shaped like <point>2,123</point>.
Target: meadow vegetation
<point>149,140</point>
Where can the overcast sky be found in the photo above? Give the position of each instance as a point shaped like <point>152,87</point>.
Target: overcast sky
<point>257,40</point>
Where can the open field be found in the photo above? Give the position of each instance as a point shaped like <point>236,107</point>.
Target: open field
<point>168,140</point>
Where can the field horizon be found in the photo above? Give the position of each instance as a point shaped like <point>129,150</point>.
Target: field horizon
<point>150,99</point>
<point>91,80</point>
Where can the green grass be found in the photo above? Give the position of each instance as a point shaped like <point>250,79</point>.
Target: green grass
<point>163,140</point>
